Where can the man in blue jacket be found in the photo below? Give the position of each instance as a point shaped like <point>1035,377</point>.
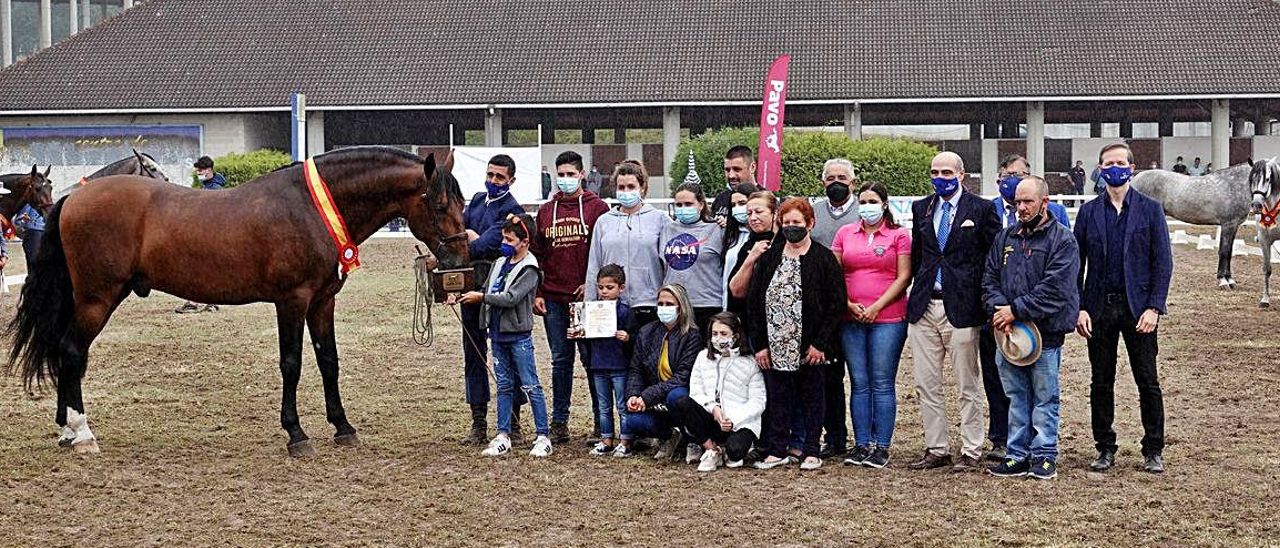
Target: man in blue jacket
<point>484,218</point>
<point>1013,169</point>
<point>1031,276</point>
<point>1125,271</point>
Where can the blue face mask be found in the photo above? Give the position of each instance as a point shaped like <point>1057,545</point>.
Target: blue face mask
<point>506,249</point>
<point>568,185</point>
<point>1115,175</point>
<point>871,213</point>
<point>1009,187</point>
<point>740,214</point>
<point>667,314</point>
<point>629,198</point>
<point>495,190</point>
<point>688,214</point>
<point>945,186</point>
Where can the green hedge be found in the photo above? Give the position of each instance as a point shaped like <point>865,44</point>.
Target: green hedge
<point>242,168</point>
<point>901,164</point>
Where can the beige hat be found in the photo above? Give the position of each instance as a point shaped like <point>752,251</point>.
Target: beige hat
<point>1022,344</point>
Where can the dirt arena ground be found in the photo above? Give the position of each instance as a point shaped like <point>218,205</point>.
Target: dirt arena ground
<point>186,411</point>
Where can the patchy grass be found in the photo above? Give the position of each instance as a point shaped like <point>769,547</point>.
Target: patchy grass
<point>186,407</point>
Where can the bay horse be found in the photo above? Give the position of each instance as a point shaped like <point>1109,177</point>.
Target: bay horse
<point>140,163</point>
<point>267,242</point>
<point>33,189</point>
<point>1264,187</point>
<point>1220,198</point>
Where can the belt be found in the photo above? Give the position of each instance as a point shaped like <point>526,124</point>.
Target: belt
<point>1116,298</point>
<point>937,295</point>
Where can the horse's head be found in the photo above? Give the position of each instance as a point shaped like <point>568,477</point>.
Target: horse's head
<point>147,167</point>
<point>435,216</point>
<point>1264,183</point>
<point>33,189</point>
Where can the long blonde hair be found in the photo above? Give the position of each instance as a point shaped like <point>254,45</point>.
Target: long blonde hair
<point>684,314</point>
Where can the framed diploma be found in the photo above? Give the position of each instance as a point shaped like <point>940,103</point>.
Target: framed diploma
<point>594,319</point>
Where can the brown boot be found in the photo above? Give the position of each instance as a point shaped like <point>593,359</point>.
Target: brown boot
<point>965,464</point>
<point>930,461</point>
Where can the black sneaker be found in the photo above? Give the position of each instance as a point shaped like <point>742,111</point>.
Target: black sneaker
<point>559,432</point>
<point>1044,469</point>
<point>879,458</point>
<point>1010,468</point>
<point>858,456</point>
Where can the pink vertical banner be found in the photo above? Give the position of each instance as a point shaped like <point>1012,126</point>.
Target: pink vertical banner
<point>769,150</point>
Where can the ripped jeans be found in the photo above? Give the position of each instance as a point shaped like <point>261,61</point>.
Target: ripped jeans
<point>513,365</point>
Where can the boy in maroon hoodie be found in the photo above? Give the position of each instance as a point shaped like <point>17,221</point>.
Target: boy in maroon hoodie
<point>561,243</point>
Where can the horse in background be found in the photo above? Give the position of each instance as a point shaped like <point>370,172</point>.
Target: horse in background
<point>132,234</point>
<point>141,164</point>
<point>1220,198</point>
<point>33,189</point>
<point>1264,184</point>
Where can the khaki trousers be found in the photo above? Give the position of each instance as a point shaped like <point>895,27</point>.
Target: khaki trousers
<point>932,338</point>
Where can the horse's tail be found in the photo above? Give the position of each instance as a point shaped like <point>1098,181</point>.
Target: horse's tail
<point>44,311</point>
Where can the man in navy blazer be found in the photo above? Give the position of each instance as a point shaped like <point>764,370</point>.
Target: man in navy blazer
<point>951,233</point>
<point>1124,279</point>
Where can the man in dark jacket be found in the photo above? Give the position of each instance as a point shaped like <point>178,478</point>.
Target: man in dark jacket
<point>1030,276</point>
<point>1126,267</point>
<point>950,238</point>
<point>484,218</point>
<point>209,180</point>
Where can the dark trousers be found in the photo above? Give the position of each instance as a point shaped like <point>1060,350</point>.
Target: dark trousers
<point>475,353</point>
<point>701,426</point>
<point>837,436</point>
<point>31,244</point>
<point>1117,321</point>
<point>997,401</point>
<point>789,389</point>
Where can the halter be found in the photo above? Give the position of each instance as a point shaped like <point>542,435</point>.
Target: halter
<point>1267,218</point>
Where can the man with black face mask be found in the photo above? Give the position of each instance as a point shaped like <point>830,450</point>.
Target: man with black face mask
<point>839,208</point>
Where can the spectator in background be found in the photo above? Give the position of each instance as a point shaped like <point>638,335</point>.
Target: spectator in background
<point>32,225</point>
<point>1077,175</point>
<point>1179,166</point>
<point>1196,169</point>
<point>1208,168</point>
<point>209,180</point>
<point>594,181</point>
<point>546,182</point>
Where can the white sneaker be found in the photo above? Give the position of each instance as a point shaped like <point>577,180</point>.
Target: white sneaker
<point>541,447</point>
<point>499,446</point>
<point>733,464</point>
<point>621,451</point>
<point>601,449</point>
<point>710,460</point>
<point>769,463</point>
<point>811,463</point>
<point>693,453</point>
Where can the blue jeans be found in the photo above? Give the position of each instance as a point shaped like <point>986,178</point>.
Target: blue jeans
<point>1033,403</point>
<point>650,423</point>
<point>562,353</point>
<point>512,363</point>
<point>611,393</point>
<point>872,352</point>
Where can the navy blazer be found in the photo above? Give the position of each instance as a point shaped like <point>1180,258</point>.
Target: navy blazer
<point>1148,262</point>
<point>974,226</point>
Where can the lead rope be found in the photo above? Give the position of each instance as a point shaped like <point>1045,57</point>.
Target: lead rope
<point>424,332</point>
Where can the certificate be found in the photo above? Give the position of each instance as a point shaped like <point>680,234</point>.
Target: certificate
<point>594,319</point>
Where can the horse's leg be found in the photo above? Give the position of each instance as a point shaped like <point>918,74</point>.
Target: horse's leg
<point>320,324</point>
<point>289,321</point>
<point>1267,238</point>
<point>87,323</point>
<point>1226,245</point>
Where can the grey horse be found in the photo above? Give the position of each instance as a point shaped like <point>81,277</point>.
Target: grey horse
<point>1220,198</point>
<point>1264,181</point>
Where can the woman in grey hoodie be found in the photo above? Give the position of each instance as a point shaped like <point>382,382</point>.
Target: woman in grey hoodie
<point>628,237</point>
<point>694,253</point>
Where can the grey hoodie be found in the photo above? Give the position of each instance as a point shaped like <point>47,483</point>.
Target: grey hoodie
<point>629,241</point>
<point>694,259</point>
<point>516,298</point>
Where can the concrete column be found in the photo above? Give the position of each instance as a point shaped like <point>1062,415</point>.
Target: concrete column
<point>670,137</point>
<point>1126,129</point>
<point>493,127</point>
<point>1165,123</point>
<point>853,121</point>
<point>74,19</point>
<point>1035,137</point>
<point>85,20</point>
<point>315,133</point>
<point>990,166</point>
<point>1220,134</point>
<point>46,23</point>
<point>6,33</point>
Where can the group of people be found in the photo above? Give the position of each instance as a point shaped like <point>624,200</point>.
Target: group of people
<point>738,317</point>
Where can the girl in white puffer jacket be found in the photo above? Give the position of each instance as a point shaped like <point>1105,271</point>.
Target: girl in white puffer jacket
<point>726,398</point>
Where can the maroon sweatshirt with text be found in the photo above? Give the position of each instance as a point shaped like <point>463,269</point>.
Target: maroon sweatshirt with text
<point>562,243</point>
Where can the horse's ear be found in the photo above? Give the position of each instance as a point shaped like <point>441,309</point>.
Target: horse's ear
<point>138,155</point>
<point>1250,160</point>
<point>429,166</point>
<point>47,170</point>
<point>448,162</point>
<point>35,170</point>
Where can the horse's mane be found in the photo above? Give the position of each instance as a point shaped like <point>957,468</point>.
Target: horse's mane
<point>448,183</point>
<point>114,165</point>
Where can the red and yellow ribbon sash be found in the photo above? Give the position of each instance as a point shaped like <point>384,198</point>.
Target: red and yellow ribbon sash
<point>7,229</point>
<point>348,253</point>
<point>1268,217</point>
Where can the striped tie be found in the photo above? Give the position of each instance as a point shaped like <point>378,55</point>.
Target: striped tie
<point>944,231</point>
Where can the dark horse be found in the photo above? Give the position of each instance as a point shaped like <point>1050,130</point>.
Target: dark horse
<point>141,164</point>
<point>32,189</point>
<point>135,234</point>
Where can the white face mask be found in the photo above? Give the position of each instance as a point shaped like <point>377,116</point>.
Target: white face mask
<point>667,314</point>
<point>722,344</point>
<point>568,185</point>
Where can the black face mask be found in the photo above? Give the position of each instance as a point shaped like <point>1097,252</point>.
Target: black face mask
<point>837,192</point>
<point>1030,224</point>
<point>794,234</point>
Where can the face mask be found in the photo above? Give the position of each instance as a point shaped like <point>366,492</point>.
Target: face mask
<point>837,192</point>
<point>667,314</point>
<point>722,344</point>
<point>629,198</point>
<point>945,186</point>
<point>740,214</point>
<point>1033,222</point>
<point>688,214</point>
<point>871,213</point>
<point>794,234</point>
<point>568,185</point>
<point>1009,187</point>
<point>1115,175</point>
<point>204,177</point>
<point>495,190</point>
<point>506,249</point>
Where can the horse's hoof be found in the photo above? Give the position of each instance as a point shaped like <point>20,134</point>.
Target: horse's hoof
<point>302,450</point>
<point>66,443</point>
<point>1264,305</point>
<point>347,440</point>
<point>87,447</point>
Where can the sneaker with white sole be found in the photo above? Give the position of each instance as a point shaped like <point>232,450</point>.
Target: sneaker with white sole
<point>734,463</point>
<point>601,449</point>
<point>710,460</point>
<point>667,448</point>
<point>621,451</point>
<point>541,447</point>
<point>693,453</point>
<point>811,463</point>
<point>499,446</point>
<point>769,463</point>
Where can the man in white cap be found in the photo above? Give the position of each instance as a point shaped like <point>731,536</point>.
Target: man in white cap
<point>1030,283</point>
